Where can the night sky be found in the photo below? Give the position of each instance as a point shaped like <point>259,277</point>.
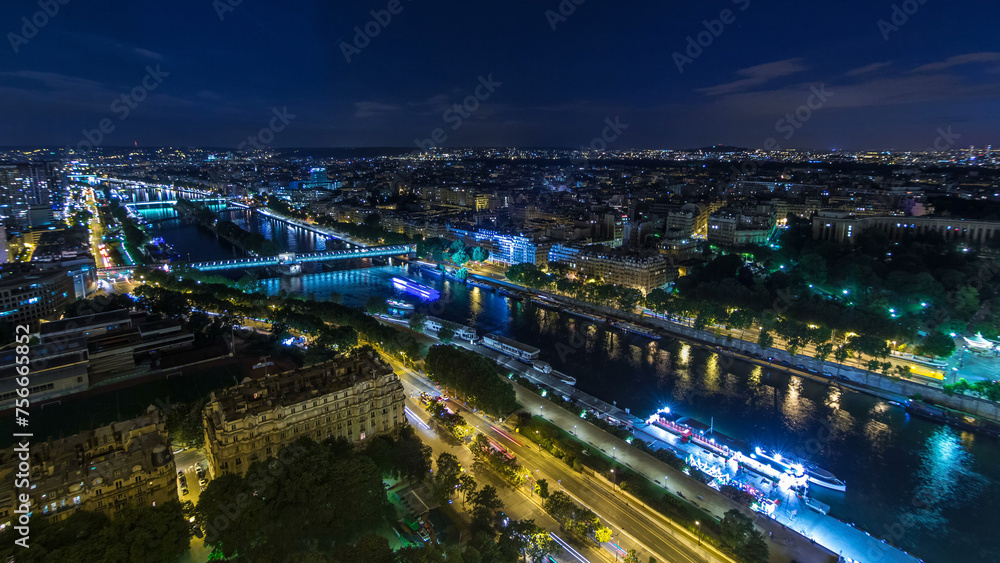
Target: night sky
<point>897,85</point>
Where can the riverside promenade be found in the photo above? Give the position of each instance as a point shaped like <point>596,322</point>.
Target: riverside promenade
<point>797,532</point>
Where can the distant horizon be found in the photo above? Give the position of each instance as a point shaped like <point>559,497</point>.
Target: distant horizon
<point>729,148</point>
<point>851,75</point>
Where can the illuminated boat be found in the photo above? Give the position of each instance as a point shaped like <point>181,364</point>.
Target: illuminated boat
<point>413,288</point>
<point>401,305</point>
<point>814,473</point>
<point>510,347</point>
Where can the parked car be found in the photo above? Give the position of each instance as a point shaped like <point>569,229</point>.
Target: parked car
<point>184,491</point>
<point>203,482</point>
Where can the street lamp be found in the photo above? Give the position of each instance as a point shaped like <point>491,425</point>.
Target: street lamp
<point>697,523</point>
<point>614,453</point>
<point>614,482</point>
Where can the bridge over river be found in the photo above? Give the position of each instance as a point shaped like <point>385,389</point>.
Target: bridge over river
<point>288,259</point>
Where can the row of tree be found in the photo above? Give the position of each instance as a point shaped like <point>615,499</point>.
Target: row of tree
<point>607,295</point>
<point>473,377</point>
<point>496,537</point>
<point>501,461</point>
<point>135,237</point>
<point>439,250</point>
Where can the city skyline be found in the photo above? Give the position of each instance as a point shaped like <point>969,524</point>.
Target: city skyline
<point>554,280</point>
<point>855,76</point>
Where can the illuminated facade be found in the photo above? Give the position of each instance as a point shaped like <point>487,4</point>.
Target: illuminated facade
<point>510,248</point>
<point>611,266</point>
<point>353,396</point>
<point>28,294</point>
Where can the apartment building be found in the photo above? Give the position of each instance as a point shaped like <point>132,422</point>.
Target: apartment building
<point>122,465</point>
<point>354,396</point>
<point>614,266</point>
<point>509,248</point>
<point>28,294</point>
<point>734,228</point>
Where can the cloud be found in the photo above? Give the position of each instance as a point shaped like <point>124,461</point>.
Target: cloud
<point>756,76</point>
<point>867,69</point>
<point>372,109</point>
<point>958,60</point>
<point>148,54</point>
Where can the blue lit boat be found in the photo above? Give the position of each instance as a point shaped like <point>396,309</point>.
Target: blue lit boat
<point>413,288</point>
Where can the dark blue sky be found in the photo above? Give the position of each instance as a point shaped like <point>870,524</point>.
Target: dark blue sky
<point>940,69</point>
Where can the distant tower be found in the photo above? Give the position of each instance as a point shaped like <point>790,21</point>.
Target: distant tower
<point>3,244</point>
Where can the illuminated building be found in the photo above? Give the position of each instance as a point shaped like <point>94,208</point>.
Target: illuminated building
<point>28,294</point>
<point>354,396</point>
<point>504,248</point>
<point>614,266</point>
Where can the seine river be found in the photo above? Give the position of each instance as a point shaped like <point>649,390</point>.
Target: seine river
<point>926,488</point>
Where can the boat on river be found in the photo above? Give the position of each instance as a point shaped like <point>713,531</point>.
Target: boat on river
<point>584,315</point>
<point>510,347</point>
<point>567,379</point>
<point>767,463</point>
<point>816,474</point>
<point>636,329</point>
<point>409,286</point>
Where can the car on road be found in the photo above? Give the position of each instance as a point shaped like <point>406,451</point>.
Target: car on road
<point>184,491</point>
<point>180,473</point>
<point>800,367</point>
<point>203,482</point>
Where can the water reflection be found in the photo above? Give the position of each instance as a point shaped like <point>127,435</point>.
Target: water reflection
<point>946,479</point>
